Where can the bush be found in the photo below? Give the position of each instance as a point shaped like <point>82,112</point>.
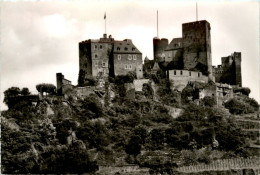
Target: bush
<point>243,90</point>
<point>238,106</point>
<point>91,107</point>
<point>209,101</point>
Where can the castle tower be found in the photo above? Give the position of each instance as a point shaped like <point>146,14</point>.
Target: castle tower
<point>94,58</point>
<point>59,78</point>
<point>158,48</point>
<point>237,60</point>
<point>197,46</point>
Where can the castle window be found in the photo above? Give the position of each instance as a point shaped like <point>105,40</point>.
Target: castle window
<point>95,46</point>
<point>190,73</point>
<point>126,66</point>
<point>198,74</point>
<point>130,57</point>
<point>133,49</point>
<point>126,48</point>
<point>95,55</point>
<point>118,48</point>
<point>181,72</point>
<point>175,72</point>
<point>134,57</point>
<point>100,46</point>
<point>130,66</point>
<point>119,57</point>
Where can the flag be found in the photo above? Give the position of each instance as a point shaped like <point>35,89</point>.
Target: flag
<point>105,16</point>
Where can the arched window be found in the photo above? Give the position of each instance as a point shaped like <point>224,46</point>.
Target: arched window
<point>118,48</point>
<point>95,55</point>
<point>126,48</point>
<point>181,72</point>
<point>130,57</point>
<point>133,49</point>
<point>198,74</point>
<point>134,57</point>
<point>100,46</point>
<point>119,57</point>
<point>175,72</point>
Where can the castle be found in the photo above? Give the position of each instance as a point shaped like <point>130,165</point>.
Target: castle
<point>185,60</point>
<point>230,70</point>
<point>107,57</point>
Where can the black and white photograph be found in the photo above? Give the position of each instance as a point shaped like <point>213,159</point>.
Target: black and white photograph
<point>130,87</point>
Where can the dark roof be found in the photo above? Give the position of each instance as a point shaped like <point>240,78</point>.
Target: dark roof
<point>149,64</point>
<point>174,44</point>
<point>125,46</point>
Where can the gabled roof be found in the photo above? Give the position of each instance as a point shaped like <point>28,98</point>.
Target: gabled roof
<point>176,43</point>
<point>151,64</point>
<point>125,46</point>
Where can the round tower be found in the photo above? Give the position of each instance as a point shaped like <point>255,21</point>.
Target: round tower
<point>158,47</point>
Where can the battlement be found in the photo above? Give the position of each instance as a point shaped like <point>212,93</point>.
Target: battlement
<point>196,23</point>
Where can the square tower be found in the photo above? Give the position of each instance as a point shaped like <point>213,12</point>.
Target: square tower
<point>94,58</point>
<point>196,42</point>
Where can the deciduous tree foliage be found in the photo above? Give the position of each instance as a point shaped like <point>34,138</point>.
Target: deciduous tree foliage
<point>45,87</point>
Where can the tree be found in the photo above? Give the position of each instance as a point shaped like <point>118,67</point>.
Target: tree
<point>238,106</point>
<point>193,112</point>
<point>25,91</point>
<point>10,95</point>
<point>44,87</point>
<point>67,160</point>
<point>148,91</point>
<point>133,147</point>
<point>91,107</point>
<point>243,90</point>
<point>141,132</point>
<point>209,101</point>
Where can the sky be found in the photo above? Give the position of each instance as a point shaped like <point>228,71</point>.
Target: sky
<point>40,39</point>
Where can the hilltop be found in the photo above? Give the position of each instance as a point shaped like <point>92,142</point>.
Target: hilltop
<point>158,129</point>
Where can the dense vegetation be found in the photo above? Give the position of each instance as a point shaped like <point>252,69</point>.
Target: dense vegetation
<point>75,136</point>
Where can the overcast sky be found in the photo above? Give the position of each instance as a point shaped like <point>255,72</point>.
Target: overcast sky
<point>39,39</point>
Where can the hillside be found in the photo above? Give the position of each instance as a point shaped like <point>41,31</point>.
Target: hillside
<point>68,135</point>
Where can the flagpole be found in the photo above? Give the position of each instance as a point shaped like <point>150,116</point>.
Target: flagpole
<point>157,26</point>
<point>105,23</point>
<point>196,11</point>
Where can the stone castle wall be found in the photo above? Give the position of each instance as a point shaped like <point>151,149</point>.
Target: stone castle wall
<point>230,70</point>
<point>181,78</point>
<point>126,62</point>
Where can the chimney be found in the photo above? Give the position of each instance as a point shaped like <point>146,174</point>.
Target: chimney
<point>104,35</point>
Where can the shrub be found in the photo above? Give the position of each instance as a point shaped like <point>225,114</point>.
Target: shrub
<point>238,106</point>
<point>209,101</point>
<point>244,90</point>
